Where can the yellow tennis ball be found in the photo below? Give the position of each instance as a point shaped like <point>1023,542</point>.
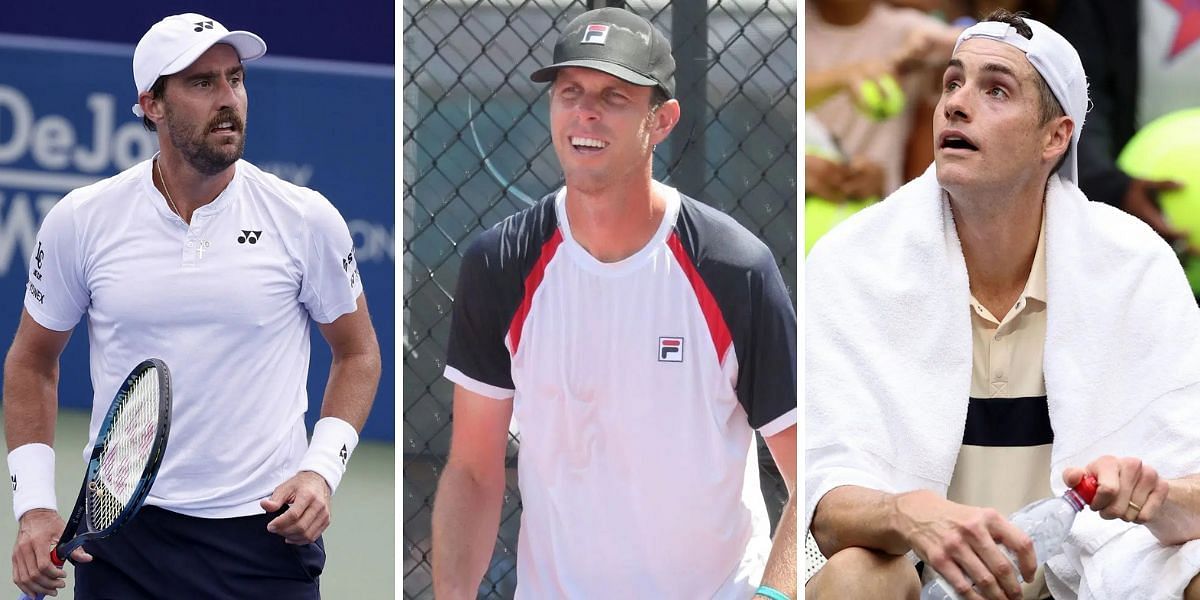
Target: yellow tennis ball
<point>893,96</point>
<point>882,99</point>
<point>1168,149</point>
<point>871,100</point>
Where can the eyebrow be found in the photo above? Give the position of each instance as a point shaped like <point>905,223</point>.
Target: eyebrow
<point>210,74</point>
<point>987,68</point>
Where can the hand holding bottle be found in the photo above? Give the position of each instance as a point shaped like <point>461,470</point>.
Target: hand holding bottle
<point>964,544</point>
<point>1128,489</point>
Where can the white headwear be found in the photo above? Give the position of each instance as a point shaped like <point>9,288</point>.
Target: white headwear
<point>1056,60</point>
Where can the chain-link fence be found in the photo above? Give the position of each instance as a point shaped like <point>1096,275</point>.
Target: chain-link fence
<point>477,149</point>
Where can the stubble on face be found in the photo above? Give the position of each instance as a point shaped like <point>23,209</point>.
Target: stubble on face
<point>206,156</point>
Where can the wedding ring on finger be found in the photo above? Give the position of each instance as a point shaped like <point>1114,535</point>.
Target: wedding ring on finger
<point>1137,508</point>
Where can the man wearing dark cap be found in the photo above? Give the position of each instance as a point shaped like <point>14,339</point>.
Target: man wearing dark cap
<point>639,338</point>
<point>159,262</point>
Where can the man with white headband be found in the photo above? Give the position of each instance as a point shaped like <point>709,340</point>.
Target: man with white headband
<point>201,259</point>
<point>985,337</point>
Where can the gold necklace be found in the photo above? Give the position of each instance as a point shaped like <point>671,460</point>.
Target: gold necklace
<point>158,165</point>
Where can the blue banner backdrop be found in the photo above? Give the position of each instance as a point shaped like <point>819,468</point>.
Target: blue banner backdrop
<point>65,121</point>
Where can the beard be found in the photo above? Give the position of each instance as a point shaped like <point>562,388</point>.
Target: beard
<point>204,156</point>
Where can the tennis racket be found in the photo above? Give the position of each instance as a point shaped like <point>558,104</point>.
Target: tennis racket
<point>129,448</point>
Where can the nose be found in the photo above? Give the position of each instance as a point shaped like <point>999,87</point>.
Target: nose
<point>954,105</point>
<point>227,95</point>
<point>588,107</point>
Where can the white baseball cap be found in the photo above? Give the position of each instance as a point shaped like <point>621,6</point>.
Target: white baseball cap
<point>175,42</point>
<point>1059,65</point>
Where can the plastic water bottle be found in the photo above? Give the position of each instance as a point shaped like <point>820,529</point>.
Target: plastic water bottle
<point>1046,522</point>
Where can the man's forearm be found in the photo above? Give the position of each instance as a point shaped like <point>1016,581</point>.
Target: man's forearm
<point>30,400</point>
<point>781,572</point>
<point>466,519</point>
<point>850,516</point>
<point>353,380</point>
<point>1178,520</point>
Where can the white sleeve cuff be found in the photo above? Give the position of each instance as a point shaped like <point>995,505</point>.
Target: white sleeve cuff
<point>31,470</point>
<point>333,441</point>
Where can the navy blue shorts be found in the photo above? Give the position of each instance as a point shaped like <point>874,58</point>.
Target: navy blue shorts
<point>162,554</point>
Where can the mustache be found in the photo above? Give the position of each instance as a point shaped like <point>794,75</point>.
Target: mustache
<point>227,115</point>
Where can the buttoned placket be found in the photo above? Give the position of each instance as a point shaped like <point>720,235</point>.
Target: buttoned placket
<point>195,245</point>
<point>1000,344</point>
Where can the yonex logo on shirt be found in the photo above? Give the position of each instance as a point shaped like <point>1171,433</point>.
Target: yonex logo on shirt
<point>595,34</point>
<point>249,236</point>
<point>202,25</point>
<point>670,349</point>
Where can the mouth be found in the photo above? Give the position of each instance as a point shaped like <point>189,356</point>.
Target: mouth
<point>225,126</point>
<point>955,140</point>
<point>587,145</point>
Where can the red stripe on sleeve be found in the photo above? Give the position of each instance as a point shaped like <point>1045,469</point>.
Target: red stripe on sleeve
<point>708,305</point>
<point>532,281</point>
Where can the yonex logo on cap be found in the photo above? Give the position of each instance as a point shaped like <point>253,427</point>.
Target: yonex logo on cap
<point>202,25</point>
<point>595,34</point>
<point>670,349</point>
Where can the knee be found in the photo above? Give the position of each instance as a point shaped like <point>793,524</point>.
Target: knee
<point>1192,591</point>
<point>861,573</point>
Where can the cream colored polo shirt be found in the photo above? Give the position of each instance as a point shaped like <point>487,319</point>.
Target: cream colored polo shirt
<point>1004,462</point>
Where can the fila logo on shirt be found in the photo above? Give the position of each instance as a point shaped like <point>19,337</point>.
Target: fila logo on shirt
<point>595,34</point>
<point>670,349</point>
<point>202,25</point>
<point>249,237</point>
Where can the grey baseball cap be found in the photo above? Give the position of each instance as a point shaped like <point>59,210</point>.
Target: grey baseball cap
<point>617,42</point>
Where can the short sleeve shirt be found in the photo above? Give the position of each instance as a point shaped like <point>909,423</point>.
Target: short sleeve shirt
<point>637,386</point>
<point>225,301</point>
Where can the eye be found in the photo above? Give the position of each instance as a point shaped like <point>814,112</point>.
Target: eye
<point>236,80</point>
<point>203,83</point>
<point>616,97</point>
<point>951,85</point>
<point>997,92</point>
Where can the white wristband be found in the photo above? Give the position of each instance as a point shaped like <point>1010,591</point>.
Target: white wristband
<point>31,470</point>
<point>333,441</point>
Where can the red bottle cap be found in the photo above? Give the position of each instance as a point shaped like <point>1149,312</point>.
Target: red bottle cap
<point>1086,488</point>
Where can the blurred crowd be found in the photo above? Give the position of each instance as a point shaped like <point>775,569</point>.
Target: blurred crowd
<point>873,77</point>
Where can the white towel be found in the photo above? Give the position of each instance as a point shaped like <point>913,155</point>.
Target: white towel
<point>888,345</point>
<point>1132,565</point>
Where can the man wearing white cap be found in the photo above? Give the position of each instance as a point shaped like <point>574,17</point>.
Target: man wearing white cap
<point>201,259</point>
<point>981,335</point>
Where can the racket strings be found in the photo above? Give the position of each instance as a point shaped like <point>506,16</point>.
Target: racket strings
<point>126,450</point>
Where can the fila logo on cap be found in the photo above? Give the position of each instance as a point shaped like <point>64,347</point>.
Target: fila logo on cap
<point>595,34</point>
<point>202,25</point>
<point>670,349</point>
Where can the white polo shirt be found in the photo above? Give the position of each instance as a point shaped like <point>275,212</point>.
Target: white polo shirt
<point>224,301</point>
<point>638,386</point>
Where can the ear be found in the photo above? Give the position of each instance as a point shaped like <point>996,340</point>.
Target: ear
<point>1058,138</point>
<point>665,119</point>
<point>154,108</point>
